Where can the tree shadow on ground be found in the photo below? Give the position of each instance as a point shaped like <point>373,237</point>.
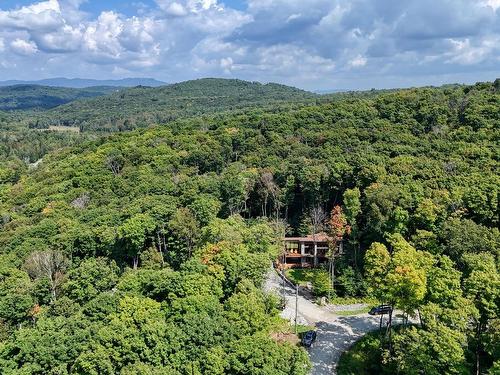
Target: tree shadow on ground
<point>335,338</point>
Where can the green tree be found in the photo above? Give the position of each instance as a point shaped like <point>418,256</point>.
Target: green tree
<point>138,332</point>
<point>352,209</point>
<point>94,362</point>
<point>91,277</point>
<point>377,263</point>
<point>426,214</point>
<point>47,348</point>
<point>16,300</point>
<point>135,232</point>
<point>482,287</point>
<point>465,236</point>
<point>260,355</point>
<point>406,280</point>
<point>322,283</point>
<point>184,227</point>
<point>246,310</point>
<point>435,351</point>
<point>352,205</point>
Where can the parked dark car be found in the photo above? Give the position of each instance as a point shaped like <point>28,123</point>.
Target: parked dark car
<point>381,310</point>
<point>308,338</point>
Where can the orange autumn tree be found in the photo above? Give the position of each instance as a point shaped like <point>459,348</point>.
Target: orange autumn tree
<point>337,228</point>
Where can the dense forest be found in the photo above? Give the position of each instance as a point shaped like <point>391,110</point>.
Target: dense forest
<point>34,97</point>
<point>144,252</point>
<point>34,119</point>
<point>143,106</point>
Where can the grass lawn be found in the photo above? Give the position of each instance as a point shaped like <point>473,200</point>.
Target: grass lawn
<point>285,327</point>
<point>301,276</point>
<point>354,300</point>
<point>285,332</point>
<point>363,310</point>
<point>302,329</point>
<point>364,305</point>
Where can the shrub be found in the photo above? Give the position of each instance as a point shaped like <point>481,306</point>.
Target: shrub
<point>322,283</point>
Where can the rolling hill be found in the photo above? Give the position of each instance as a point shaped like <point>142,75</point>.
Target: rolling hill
<point>35,97</point>
<point>157,271</point>
<point>143,106</point>
<point>79,83</point>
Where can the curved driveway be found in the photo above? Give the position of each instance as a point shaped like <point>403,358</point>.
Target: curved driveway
<point>335,333</point>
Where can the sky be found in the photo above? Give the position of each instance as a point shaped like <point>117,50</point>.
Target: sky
<point>312,44</point>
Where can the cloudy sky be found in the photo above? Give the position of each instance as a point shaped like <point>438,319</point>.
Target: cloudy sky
<point>313,44</point>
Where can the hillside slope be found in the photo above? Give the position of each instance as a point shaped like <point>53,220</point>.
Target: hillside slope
<point>153,270</point>
<point>35,97</point>
<point>80,83</point>
<point>143,106</point>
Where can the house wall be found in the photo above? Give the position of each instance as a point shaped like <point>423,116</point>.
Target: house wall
<point>304,254</point>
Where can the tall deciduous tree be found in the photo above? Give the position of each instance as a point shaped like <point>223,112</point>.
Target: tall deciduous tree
<point>400,278</point>
<point>438,350</point>
<point>407,276</point>
<point>352,209</point>
<point>377,261</point>
<point>135,231</point>
<point>337,229</point>
<point>268,189</point>
<point>91,277</point>
<point>16,300</point>
<point>185,227</point>
<point>50,264</point>
<point>482,287</point>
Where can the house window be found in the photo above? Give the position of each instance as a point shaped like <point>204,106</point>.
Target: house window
<point>293,261</point>
<point>292,247</point>
<point>309,249</point>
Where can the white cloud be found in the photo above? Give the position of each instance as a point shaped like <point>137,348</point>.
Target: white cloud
<point>226,64</point>
<point>134,42</point>
<point>293,17</point>
<point>100,39</point>
<point>495,4</point>
<point>66,39</point>
<point>38,16</point>
<point>285,60</point>
<point>358,61</point>
<point>180,8</point>
<point>308,43</point>
<point>467,53</point>
<point>174,9</point>
<point>200,5</point>
<point>23,47</point>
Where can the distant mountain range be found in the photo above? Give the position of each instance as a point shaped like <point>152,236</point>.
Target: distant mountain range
<point>79,83</point>
<point>37,97</point>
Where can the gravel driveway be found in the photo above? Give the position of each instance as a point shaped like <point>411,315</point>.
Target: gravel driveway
<point>335,333</point>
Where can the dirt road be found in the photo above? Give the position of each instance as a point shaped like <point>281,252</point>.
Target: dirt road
<point>335,333</point>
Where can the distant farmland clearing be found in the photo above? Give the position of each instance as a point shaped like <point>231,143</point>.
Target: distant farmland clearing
<point>57,128</point>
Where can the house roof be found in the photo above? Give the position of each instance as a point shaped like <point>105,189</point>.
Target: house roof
<point>320,237</point>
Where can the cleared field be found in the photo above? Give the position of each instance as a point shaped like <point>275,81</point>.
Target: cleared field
<point>74,129</point>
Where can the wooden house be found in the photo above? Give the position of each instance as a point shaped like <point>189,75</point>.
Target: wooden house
<point>305,252</point>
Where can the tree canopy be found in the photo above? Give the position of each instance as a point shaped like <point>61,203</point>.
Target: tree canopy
<point>144,251</point>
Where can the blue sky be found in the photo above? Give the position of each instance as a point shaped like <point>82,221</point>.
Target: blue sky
<point>128,8</point>
<point>313,44</point>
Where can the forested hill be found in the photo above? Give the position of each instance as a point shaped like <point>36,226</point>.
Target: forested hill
<point>81,83</point>
<point>130,254</point>
<point>143,106</point>
<point>35,97</point>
